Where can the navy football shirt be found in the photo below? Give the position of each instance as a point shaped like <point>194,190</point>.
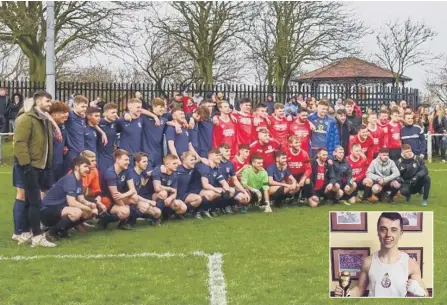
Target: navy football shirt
<point>278,174</point>
<point>66,186</point>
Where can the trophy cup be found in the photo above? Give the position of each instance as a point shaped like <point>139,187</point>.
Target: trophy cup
<point>344,280</point>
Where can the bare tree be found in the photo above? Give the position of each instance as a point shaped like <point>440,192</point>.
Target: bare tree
<point>206,32</point>
<point>95,25</point>
<point>401,45</point>
<point>436,84</point>
<point>287,35</point>
<point>13,64</point>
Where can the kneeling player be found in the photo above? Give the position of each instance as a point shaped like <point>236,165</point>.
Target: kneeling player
<point>256,180</point>
<point>322,173</point>
<point>165,182</point>
<point>185,192</point>
<point>64,206</point>
<point>381,178</point>
<point>343,183</point>
<point>299,165</point>
<point>359,164</point>
<point>282,184</point>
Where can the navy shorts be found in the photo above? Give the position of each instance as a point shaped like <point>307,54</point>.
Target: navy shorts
<point>183,198</point>
<point>16,180</point>
<point>51,215</point>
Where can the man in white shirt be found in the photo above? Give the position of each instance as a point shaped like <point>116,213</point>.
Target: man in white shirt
<point>388,272</point>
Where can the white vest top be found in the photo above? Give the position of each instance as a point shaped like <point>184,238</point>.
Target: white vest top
<point>388,280</point>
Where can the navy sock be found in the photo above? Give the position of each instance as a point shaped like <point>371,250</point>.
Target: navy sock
<point>132,220</point>
<point>17,213</point>
<point>189,208</point>
<point>64,224</point>
<point>204,206</point>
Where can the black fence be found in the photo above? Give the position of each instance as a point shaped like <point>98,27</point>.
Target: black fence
<point>366,96</point>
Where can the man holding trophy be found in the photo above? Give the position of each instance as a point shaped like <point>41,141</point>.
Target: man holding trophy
<point>387,272</point>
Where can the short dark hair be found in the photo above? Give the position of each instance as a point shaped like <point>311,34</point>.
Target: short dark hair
<point>279,154</point>
<point>261,105</point>
<point>78,161</point>
<point>40,94</point>
<point>406,146</point>
<point>137,157</point>
<point>384,150</point>
<point>245,100</point>
<point>244,146</point>
<point>225,146</point>
<point>92,110</point>
<point>255,157</point>
<point>341,111</point>
<point>391,216</point>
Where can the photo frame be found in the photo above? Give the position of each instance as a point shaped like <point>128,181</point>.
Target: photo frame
<point>412,221</point>
<point>349,222</point>
<point>347,259</point>
<point>415,252</point>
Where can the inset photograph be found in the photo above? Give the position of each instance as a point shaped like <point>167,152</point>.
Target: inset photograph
<point>381,254</point>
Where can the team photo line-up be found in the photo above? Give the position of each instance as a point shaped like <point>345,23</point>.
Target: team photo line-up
<point>75,165</point>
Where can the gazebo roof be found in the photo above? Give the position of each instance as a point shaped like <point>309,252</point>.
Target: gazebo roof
<point>350,68</point>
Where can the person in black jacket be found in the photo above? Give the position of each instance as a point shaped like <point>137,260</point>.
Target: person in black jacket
<point>413,135</point>
<point>345,128</point>
<point>414,176</point>
<point>352,116</point>
<point>14,107</point>
<point>342,179</point>
<point>322,174</point>
<point>4,104</point>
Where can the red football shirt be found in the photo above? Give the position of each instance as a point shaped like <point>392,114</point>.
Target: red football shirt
<point>359,168</point>
<point>299,163</point>
<point>244,128</point>
<point>384,127</point>
<point>279,129</point>
<point>378,137</point>
<point>225,132</point>
<point>265,150</point>
<point>320,178</point>
<point>367,145</point>
<point>394,135</point>
<point>302,131</point>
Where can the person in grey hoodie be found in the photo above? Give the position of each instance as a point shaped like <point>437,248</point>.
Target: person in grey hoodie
<point>381,178</point>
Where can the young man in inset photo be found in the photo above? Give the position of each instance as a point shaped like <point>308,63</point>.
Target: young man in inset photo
<point>389,272</point>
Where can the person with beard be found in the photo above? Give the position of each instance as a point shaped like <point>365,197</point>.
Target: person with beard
<point>302,129</point>
<point>381,177</point>
<point>281,181</point>
<point>388,272</point>
<point>414,176</point>
<point>352,116</point>
<point>265,146</point>
<point>413,135</point>
<point>344,127</point>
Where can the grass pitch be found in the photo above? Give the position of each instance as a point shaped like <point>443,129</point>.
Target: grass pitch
<point>278,258</point>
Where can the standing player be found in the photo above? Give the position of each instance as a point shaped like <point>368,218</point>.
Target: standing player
<point>365,140</point>
<point>165,183</point>
<point>322,174</point>
<point>131,132</point>
<point>256,180</point>
<point>389,272</point>
<point>383,124</point>
<point>108,125</point>
<point>352,115</point>
<point>279,126</point>
<point>260,118</point>
<point>179,143</point>
<point>244,123</point>
<point>376,132</point>
<point>325,134</point>
<point>64,206</point>
<point>381,177</point>
<point>75,126</point>
<point>90,136</point>
<point>59,112</point>
<point>359,164</point>
<point>265,147</point>
<point>302,129</point>
<point>299,164</point>
<point>225,129</point>
<point>282,183</point>
<point>394,140</point>
<point>206,128</point>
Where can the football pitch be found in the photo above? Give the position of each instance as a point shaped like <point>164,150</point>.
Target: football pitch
<point>258,258</point>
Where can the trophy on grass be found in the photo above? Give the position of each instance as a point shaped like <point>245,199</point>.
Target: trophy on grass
<point>344,280</point>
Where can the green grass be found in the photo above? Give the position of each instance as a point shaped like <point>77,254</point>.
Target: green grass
<point>278,258</point>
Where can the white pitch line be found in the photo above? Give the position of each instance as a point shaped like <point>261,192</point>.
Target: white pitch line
<point>216,279</point>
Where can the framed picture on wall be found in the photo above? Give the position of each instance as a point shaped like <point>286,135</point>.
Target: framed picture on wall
<point>412,221</point>
<point>347,259</point>
<point>349,221</point>
<point>416,253</point>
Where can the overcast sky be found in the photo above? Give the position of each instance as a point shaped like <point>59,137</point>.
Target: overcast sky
<point>375,14</point>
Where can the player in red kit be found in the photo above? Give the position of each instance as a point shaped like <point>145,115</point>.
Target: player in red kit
<point>322,173</point>
<point>394,141</point>
<point>265,147</point>
<point>376,133</point>
<point>244,122</point>
<point>301,128</point>
<point>225,129</point>
<point>359,166</point>
<point>240,161</point>
<point>299,165</point>
<point>260,120</point>
<point>383,124</point>
<point>279,127</point>
<point>365,140</point>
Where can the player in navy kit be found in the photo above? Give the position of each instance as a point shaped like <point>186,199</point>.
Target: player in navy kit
<point>131,132</point>
<point>185,193</point>
<point>281,181</point>
<point>108,125</point>
<point>178,143</point>
<point>93,115</point>
<point>64,206</point>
